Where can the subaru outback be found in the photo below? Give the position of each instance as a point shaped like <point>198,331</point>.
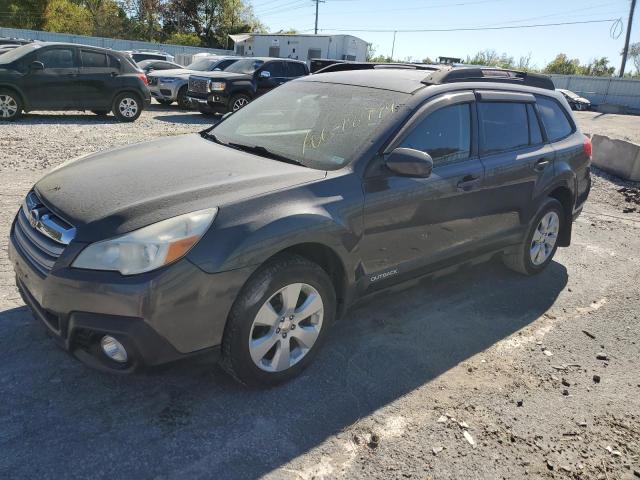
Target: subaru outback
<point>248,240</point>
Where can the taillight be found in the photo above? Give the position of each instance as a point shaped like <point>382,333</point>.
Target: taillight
<point>588,149</point>
<point>144,78</point>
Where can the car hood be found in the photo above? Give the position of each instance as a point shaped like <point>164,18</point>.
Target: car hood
<point>222,75</point>
<point>114,192</point>
<point>175,72</point>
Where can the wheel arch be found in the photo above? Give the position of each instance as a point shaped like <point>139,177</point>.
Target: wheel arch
<point>20,93</point>
<point>565,196</point>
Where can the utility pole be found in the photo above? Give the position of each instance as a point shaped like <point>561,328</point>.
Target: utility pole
<point>625,52</point>
<point>317,3</point>
<point>393,45</point>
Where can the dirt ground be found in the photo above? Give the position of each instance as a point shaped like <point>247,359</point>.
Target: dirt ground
<point>482,374</point>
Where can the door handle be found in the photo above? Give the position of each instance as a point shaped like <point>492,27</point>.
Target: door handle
<point>541,164</point>
<point>469,182</point>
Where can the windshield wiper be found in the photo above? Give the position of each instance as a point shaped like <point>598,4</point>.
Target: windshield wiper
<point>263,152</point>
<point>211,136</point>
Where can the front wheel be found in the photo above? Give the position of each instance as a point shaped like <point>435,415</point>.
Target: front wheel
<point>278,322</point>
<point>127,107</point>
<point>541,242</point>
<point>238,101</point>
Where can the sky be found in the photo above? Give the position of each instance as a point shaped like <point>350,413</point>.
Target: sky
<point>582,41</point>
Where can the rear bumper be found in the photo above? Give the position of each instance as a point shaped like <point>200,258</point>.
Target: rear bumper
<point>161,316</point>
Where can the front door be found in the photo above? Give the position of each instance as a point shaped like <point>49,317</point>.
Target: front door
<point>414,224</point>
<point>275,75</point>
<point>55,87</point>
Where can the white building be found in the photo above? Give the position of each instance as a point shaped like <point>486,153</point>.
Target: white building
<point>300,47</point>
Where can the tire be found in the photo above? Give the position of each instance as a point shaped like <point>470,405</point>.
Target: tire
<point>529,260</point>
<point>238,101</point>
<point>101,113</point>
<point>10,105</point>
<point>182,98</point>
<point>127,107</point>
<point>262,316</point>
<point>163,101</point>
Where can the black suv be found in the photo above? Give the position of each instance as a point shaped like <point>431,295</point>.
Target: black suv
<point>238,84</point>
<point>60,76</point>
<point>248,240</point>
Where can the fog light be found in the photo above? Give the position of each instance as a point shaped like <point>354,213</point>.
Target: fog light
<point>113,349</point>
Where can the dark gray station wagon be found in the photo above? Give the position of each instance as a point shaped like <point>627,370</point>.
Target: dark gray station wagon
<point>248,240</point>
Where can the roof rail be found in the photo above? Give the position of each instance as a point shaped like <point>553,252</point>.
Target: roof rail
<point>488,74</point>
<point>343,66</point>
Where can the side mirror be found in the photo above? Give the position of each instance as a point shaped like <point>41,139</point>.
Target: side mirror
<point>408,162</point>
<point>265,74</point>
<point>35,66</point>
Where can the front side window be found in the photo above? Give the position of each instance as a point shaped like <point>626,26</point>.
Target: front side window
<point>503,126</point>
<point>314,123</point>
<point>554,119</point>
<point>56,58</point>
<point>444,134</point>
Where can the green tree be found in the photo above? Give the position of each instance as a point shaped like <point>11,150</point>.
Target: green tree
<point>66,16</point>
<point>491,58</point>
<point>23,13</point>
<point>179,38</point>
<point>563,65</point>
<point>598,67</point>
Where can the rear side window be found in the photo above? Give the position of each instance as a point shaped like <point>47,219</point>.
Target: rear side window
<point>57,58</point>
<point>503,126</point>
<point>115,63</point>
<point>445,135</point>
<point>535,133</point>
<point>554,119</point>
<point>93,59</point>
<point>296,70</point>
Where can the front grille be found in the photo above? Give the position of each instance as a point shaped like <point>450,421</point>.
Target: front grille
<point>165,92</point>
<point>40,235</point>
<point>198,85</point>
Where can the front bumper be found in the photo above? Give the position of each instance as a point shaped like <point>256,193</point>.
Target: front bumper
<point>161,316</point>
<point>215,102</point>
<point>165,91</point>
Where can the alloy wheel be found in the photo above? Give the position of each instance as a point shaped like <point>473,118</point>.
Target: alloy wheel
<point>544,238</point>
<point>286,327</point>
<point>239,103</point>
<point>128,107</point>
<point>8,106</point>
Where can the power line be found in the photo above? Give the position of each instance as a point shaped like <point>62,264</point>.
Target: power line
<point>466,29</point>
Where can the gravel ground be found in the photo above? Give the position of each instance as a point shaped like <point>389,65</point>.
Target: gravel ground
<point>481,374</point>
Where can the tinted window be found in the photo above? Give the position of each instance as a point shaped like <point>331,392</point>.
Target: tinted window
<point>56,58</point>
<point>163,66</point>
<point>224,64</point>
<point>114,62</point>
<point>445,134</point>
<point>93,59</point>
<point>503,126</point>
<point>534,126</point>
<point>296,70</point>
<point>554,119</point>
<point>247,65</point>
<point>276,69</point>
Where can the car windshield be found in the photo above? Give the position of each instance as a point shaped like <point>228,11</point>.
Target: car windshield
<point>248,65</point>
<point>312,123</point>
<point>16,53</point>
<point>202,64</point>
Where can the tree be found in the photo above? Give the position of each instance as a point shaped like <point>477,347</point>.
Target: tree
<point>491,58</point>
<point>562,65</point>
<point>634,54</point>
<point>23,13</point>
<point>67,17</point>
<point>189,39</point>
<point>598,67</point>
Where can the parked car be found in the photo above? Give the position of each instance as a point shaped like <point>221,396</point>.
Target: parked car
<point>140,55</point>
<point>172,85</point>
<point>148,66</point>
<point>576,102</point>
<point>246,79</point>
<point>248,240</point>
<point>65,76</point>
<point>13,41</point>
<point>7,47</point>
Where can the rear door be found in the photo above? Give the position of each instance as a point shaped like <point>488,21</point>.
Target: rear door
<point>56,86</point>
<point>413,224</point>
<point>97,77</point>
<point>518,161</point>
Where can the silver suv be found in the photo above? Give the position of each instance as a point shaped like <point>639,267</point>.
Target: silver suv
<point>170,86</point>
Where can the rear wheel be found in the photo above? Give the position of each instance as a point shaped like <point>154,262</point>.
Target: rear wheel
<point>278,322</point>
<point>10,105</point>
<point>127,107</point>
<point>541,242</point>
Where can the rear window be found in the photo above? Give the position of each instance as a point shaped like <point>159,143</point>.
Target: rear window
<point>503,126</point>
<point>554,118</point>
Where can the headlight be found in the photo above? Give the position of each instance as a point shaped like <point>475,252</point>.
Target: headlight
<point>148,248</point>
<point>216,86</point>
